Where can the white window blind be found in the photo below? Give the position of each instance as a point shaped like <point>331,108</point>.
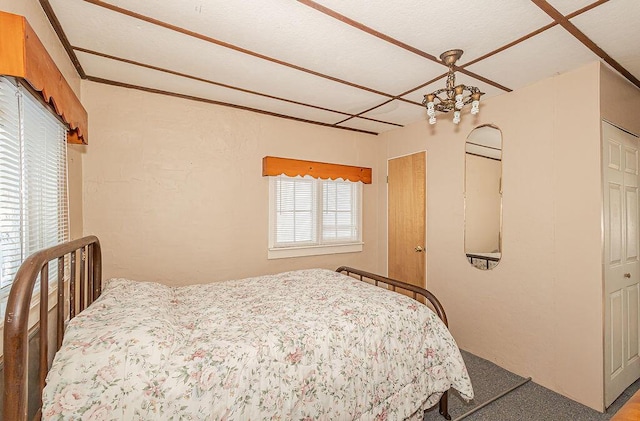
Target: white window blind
<point>340,211</point>
<point>33,180</point>
<point>312,213</point>
<point>296,212</point>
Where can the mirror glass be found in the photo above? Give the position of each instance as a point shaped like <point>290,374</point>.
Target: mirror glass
<point>483,197</point>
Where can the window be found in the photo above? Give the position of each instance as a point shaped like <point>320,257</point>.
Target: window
<point>33,181</point>
<point>310,216</point>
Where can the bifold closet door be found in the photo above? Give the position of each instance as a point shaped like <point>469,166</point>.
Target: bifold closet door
<point>621,261</point>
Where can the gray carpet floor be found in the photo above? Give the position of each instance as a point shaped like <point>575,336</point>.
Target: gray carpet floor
<point>530,402</point>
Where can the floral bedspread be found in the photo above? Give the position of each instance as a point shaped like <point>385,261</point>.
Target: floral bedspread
<point>310,344</point>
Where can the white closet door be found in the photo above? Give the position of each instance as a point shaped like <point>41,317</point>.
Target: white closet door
<point>621,263</point>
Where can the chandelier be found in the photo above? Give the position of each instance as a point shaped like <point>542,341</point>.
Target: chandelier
<point>452,98</point>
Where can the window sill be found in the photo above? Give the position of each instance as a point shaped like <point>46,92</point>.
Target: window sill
<point>286,252</point>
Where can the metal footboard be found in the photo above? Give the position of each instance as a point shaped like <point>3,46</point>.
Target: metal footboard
<point>84,286</point>
<point>415,292</point>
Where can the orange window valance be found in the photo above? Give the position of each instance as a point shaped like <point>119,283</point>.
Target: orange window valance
<point>272,165</point>
<point>22,55</point>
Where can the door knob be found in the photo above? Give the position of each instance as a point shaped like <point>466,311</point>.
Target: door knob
<point>627,275</point>
<point>419,249</point>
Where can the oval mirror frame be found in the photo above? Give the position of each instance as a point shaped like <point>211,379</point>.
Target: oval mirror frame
<point>483,197</point>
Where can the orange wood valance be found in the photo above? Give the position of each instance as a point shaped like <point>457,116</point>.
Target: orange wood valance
<point>22,55</point>
<point>294,167</point>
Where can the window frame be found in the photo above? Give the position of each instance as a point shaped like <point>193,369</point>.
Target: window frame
<point>319,247</point>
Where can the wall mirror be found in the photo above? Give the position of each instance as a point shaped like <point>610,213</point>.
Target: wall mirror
<point>483,197</point>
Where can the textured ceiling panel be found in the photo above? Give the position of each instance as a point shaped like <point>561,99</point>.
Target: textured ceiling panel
<point>291,32</point>
<point>436,26</point>
<point>129,74</point>
<point>345,57</point>
<point>569,6</point>
<point>398,112</point>
<point>115,34</point>
<point>615,28</point>
<point>552,52</point>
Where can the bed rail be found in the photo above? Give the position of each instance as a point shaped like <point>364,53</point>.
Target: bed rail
<point>415,292</point>
<point>83,290</point>
<point>395,284</point>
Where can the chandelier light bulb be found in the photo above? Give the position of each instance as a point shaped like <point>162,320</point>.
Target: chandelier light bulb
<point>459,101</point>
<point>456,117</point>
<point>475,107</point>
<point>432,120</point>
<point>431,111</point>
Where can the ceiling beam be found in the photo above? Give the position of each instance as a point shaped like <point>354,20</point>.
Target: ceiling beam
<point>230,46</point>
<point>391,40</point>
<point>55,23</point>
<point>225,104</point>
<point>223,85</point>
<point>368,30</point>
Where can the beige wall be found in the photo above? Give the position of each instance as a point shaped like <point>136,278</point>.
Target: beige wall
<point>32,10</point>
<point>619,101</point>
<point>174,189</point>
<point>539,312</point>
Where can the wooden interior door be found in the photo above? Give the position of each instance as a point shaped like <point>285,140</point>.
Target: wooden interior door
<point>621,261</point>
<point>407,218</point>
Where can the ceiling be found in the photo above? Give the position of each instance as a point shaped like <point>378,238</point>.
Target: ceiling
<point>355,65</point>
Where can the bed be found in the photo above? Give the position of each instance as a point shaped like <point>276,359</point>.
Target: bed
<point>310,344</point>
